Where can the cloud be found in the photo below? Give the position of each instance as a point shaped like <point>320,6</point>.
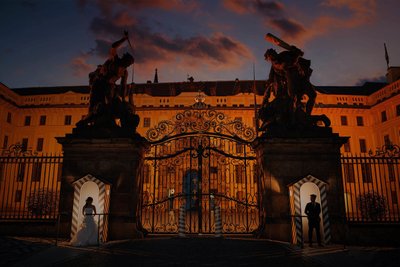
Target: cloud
<point>360,12</point>
<point>275,15</point>
<point>272,12</point>
<point>80,67</point>
<point>377,79</point>
<point>263,8</point>
<point>288,27</point>
<point>107,7</point>
<point>173,53</point>
<point>152,46</point>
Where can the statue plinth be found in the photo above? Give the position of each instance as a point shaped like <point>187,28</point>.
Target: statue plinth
<point>286,160</point>
<point>115,156</point>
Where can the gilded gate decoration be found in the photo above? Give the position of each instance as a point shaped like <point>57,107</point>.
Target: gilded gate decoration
<point>200,160</point>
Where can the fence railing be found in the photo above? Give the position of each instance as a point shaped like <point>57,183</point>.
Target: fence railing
<point>29,187</point>
<point>371,188</point>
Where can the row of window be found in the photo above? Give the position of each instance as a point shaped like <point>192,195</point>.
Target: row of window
<point>24,143</point>
<point>42,119</point>
<point>360,119</point>
<point>366,172</point>
<point>363,144</point>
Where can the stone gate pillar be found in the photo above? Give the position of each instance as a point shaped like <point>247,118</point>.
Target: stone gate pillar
<point>115,158</point>
<point>286,160</point>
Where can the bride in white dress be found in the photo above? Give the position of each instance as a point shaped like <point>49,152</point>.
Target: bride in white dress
<point>87,234</point>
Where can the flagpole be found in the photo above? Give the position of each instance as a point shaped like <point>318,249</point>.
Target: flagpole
<point>386,55</point>
<point>255,99</point>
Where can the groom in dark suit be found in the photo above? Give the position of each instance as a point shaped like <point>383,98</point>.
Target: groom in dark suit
<point>313,209</point>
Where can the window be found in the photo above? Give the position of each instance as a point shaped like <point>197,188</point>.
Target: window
<point>36,171</point>
<point>363,146</point>
<point>68,120</point>
<point>42,120</point>
<point>239,173</point>
<point>240,196</point>
<point>25,144</point>
<point>383,116</point>
<point>39,145</point>
<point>391,172</point>
<point>398,110</point>
<point>347,146</point>
<point>5,142</point>
<point>348,171</point>
<point>366,173</point>
<point>18,196</point>
<point>9,117</point>
<point>27,121</point>
<point>21,172</point>
<point>239,148</point>
<point>146,122</point>
<point>386,139</point>
<point>394,197</point>
<point>1,172</point>
<point>343,120</point>
<point>59,172</point>
<point>146,173</point>
<point>360,121</point>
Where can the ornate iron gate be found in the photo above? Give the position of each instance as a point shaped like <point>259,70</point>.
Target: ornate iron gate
<point>206,163</point>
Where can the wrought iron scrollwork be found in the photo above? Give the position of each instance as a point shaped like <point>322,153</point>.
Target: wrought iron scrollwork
<point>200,119</point>
<point>387,150</point>
<point>18,150</point>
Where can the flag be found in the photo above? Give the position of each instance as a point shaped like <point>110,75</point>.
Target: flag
<point>386,55</point>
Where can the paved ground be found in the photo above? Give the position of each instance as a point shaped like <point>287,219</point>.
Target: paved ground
<point>172,251</point>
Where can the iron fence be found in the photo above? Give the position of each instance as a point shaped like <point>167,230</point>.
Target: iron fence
<point>29,185</point>
<point>371,187</point>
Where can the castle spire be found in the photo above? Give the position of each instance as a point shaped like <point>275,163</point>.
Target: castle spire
<point>155,77</point>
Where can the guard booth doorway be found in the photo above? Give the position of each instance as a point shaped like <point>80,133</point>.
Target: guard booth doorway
<point>199,161</point>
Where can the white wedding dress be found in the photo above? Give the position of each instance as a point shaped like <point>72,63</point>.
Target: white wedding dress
<point>87,234</point>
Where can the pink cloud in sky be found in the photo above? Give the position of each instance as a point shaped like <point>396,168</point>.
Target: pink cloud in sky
<point>361,12</point>
<point>274,14</point>
<point>214,51</point>
<point>80,67</point>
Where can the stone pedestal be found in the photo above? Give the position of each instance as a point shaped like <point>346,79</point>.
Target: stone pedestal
<point>286,160</point>
<point>115,159</point>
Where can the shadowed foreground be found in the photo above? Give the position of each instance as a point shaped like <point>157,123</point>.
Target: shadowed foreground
<point>171,251</point>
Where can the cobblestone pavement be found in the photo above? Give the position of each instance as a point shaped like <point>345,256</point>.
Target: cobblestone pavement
<point>171,251</point>
<point>14,249</point>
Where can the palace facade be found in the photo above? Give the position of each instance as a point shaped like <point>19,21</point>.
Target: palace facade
<point>369,114</point>
<point>33,117</point>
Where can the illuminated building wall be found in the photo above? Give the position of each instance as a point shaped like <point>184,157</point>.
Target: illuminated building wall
<point>33,117</point>
<point>38,115</point>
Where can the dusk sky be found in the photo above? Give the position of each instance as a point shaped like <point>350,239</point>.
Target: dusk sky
<point>58,42</point>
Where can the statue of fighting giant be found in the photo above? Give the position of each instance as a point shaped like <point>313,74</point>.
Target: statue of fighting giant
<point>107,99</point>
<point>288,82</point>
